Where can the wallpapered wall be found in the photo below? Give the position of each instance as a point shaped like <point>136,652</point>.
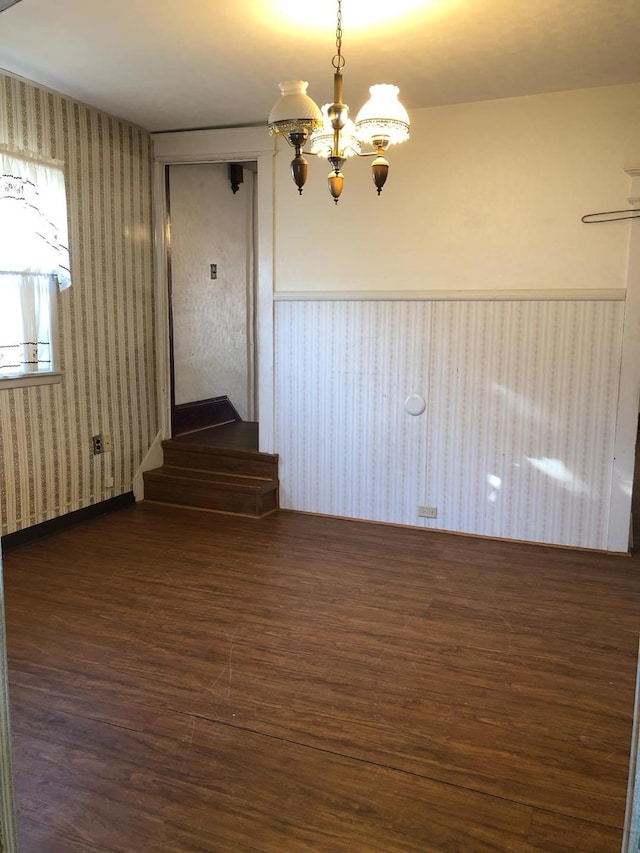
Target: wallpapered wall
<point>517,437</point>
<point>106,319</point>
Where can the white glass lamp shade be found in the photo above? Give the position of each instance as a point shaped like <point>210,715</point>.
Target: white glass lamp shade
<point>294,111</point>
<point>383,117</point>
<point>321,141</point>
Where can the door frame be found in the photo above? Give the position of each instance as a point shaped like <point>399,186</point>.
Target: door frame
<point>234,145</point>
<point>626,432</point>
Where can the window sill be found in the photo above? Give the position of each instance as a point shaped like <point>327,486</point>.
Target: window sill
<point>26,380</point>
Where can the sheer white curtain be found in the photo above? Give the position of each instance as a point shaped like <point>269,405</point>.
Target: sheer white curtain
<point>34,256</point>
<point>25,323</point>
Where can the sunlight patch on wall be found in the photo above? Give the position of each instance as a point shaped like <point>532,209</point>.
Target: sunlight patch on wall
<point>557,470</point>
<point>626,487</point>
<point>519,403</point>
<point>495,483</point>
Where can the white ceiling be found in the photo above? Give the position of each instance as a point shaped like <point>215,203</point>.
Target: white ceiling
<point>214,63</point>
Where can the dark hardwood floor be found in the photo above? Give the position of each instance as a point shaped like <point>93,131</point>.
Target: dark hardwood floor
<point>190,682</point>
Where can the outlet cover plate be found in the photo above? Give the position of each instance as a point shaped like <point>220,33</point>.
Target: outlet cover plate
<point>427,512</point>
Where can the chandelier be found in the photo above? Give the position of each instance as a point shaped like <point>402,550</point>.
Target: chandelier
<point>330,132</point>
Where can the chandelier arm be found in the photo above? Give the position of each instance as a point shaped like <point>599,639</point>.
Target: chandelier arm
<point>298,145</point>
<point>293,145</point>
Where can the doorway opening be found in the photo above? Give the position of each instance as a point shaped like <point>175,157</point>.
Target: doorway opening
<point>211,250</point>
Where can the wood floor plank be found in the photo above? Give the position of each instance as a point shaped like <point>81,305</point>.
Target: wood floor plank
<point>36,837</point>
<point>266,685</point>
<point>84,798</point>
<point>243,789</point>
<point>559,834</point>
<point>224,789</point>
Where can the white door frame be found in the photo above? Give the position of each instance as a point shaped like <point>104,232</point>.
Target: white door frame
<point>220,146</point>
<point>624,451</point>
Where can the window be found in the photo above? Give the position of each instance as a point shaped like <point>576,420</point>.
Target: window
<point>34,260</point>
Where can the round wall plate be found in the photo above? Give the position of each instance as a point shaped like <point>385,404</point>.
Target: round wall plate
<point>415,404</point>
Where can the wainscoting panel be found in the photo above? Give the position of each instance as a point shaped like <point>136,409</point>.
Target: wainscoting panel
<point>106,318</point>
<point>517,437</point>
<point>523,404</point>
<point>343,372</point>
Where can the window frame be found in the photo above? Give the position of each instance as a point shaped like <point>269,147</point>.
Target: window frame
<point>54,375</point>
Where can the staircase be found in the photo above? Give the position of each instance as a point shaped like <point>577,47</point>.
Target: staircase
<point>218,469</point>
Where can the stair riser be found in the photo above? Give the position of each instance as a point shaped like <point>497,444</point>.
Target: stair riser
<point>211,461</point>
<point>210,497</point>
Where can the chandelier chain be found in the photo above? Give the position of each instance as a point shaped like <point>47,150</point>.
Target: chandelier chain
<point>338,59</point>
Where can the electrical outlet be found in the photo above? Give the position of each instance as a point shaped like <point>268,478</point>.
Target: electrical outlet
<point>427,511</point>
<point>214,271</point>
<point>107,447</point>
<point>98,446</point>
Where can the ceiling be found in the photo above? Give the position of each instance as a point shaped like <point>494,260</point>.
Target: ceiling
<point>216,63</point>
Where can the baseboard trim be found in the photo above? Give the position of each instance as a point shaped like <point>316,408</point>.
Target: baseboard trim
<point>55,525</point>
<point>153,459</point>
<point>442,531</point>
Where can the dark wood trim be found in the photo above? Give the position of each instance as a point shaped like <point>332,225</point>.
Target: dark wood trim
<point>69,519</point>
<point>200,414</point>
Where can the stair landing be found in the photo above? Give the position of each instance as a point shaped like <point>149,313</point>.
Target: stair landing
<point>238,435</point>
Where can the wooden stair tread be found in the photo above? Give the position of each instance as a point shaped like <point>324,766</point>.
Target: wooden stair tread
<point>207,450</point>
<point>235,482</point>
<point>236,512</point>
